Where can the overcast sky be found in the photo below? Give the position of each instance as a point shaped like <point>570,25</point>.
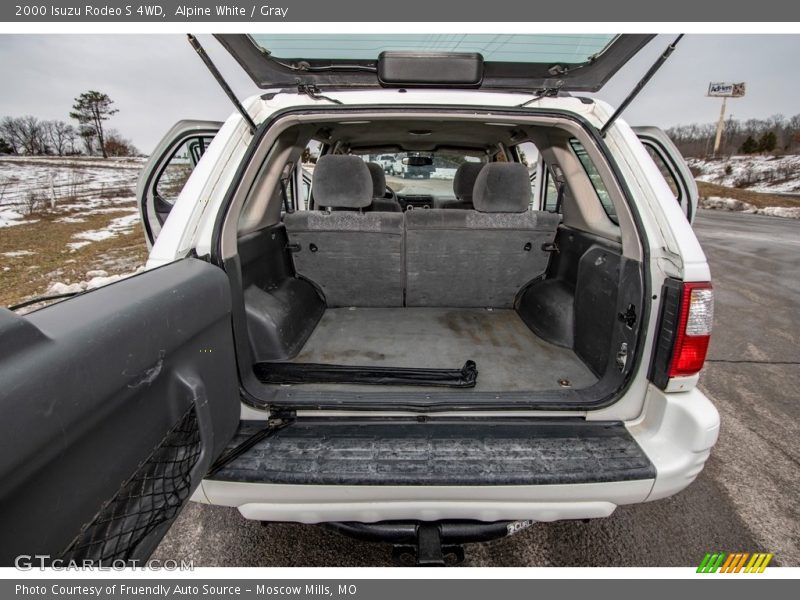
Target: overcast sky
<point>156,80</point>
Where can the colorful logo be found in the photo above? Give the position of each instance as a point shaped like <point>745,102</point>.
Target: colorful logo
<point>735,562</point>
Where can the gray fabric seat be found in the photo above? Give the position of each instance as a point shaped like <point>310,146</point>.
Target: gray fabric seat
<point>354,258</point>
<point>482,257</point>
<point>380,203</point>
<point>463,185</point>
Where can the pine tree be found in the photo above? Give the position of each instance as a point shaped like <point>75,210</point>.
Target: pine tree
<point>750,146</point>
<point>90,110</point>
<point>767,142</point>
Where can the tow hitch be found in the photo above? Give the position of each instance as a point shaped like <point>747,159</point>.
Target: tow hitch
<point>428,551</point>
<point>428,544</point>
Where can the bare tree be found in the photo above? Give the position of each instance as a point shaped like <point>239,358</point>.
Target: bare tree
<point>32,135</point>
<point>90,110</point>
<point>60,136</point>
<point>24,134</point>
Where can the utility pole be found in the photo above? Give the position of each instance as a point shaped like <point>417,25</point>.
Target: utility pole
<point>720,125</point>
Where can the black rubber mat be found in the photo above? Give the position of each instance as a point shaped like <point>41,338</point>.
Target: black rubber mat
<point>438,452</point>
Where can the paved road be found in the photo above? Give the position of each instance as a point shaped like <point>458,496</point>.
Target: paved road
<point>746,499</point>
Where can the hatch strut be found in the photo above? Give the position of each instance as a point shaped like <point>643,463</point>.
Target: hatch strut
<point>639,86</point>
<point>223,84</point>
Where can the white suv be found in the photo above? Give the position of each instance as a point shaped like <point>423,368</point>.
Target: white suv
<point>517,338</point>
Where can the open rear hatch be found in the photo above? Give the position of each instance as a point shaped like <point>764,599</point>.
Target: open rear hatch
<point>574,62</point>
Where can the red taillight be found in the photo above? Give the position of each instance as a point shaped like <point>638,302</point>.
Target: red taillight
<point>693,331</point>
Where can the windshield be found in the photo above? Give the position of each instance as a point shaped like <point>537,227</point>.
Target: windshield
<point>542,48</point>
<point>421,173</point>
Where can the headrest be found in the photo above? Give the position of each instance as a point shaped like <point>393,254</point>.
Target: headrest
<point>378,179</point>
<point>341,181</point>
<point>464,180</point>
<point>502,188</point>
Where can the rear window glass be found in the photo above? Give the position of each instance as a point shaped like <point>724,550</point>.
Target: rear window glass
<point>594,177</point>
<point>541,48</point>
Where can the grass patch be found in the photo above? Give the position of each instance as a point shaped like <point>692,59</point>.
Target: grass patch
<point>757,199</point>
<point>52,260</point>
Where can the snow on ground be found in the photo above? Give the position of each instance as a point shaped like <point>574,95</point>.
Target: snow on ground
<point>716,203</point>
<point>65,183</point>
<point>443,173</point>
<point>77,202</point>
<point>787,212</point>
<point>10,217</point>
<point>775,174</point>
<point>114,228</point>
<point>94,279</point>
<point>75,186</point>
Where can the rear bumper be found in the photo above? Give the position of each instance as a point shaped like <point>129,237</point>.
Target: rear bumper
<point>676,432</point>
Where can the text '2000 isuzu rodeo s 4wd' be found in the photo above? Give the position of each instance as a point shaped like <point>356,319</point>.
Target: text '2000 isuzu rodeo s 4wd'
<point>515,336</point>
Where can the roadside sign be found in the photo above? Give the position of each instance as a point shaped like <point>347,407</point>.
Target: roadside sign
<point>726,90</point>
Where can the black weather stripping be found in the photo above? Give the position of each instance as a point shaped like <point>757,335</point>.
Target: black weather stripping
<point>279,373</point>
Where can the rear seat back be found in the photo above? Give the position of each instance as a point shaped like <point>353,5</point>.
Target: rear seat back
<point>354,258</point>
<point>482,257</point>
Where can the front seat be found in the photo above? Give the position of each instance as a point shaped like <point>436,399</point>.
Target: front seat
<point>463,185</point>
<point>380,203</point>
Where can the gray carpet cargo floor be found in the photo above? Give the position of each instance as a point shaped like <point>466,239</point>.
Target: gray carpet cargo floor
<point>509,356</point>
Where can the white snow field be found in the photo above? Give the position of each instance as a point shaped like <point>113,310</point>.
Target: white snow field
<point>75,186</point>
<point>772,174</point>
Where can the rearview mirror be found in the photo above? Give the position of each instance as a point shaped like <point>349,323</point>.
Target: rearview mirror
<point>418,161</point>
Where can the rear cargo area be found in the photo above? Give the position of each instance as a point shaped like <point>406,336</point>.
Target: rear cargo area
<point>539,328</point>
<point>509,356</point>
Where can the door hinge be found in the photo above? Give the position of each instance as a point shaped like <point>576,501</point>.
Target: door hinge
<point>550,92</point>
<point>313,92</point>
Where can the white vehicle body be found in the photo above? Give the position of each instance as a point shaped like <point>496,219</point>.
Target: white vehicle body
<point>676,427</point>
<point>289,349</point>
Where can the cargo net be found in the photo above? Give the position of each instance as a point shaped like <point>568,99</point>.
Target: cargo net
<point>152,496</point>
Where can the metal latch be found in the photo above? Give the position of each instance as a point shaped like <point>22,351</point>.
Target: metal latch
<point>550,247</point>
